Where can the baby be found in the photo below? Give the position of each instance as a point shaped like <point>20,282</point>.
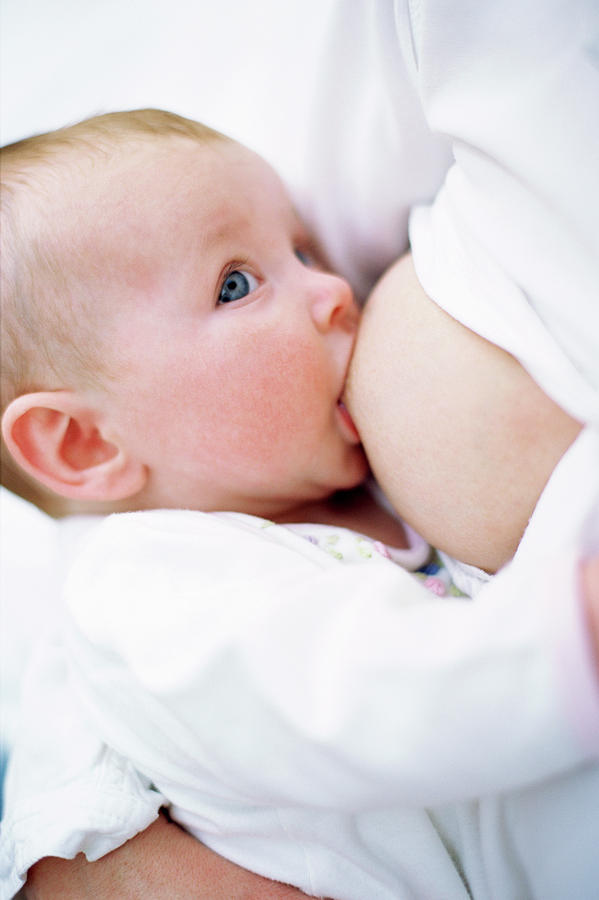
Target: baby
<point>296,698</point>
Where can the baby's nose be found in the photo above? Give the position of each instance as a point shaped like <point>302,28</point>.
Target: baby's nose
<point>332,303</point>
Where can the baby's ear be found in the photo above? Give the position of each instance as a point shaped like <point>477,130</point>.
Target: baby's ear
<point>56,439</point>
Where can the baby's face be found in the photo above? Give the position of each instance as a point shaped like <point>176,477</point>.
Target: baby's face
<point>234,344</point>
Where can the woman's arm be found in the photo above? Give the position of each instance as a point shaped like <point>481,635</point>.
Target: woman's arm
<point>295,680</point>
<point>590,593</point>
<point>163,862</point>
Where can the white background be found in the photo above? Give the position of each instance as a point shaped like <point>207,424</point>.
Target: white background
<point>246,68</point>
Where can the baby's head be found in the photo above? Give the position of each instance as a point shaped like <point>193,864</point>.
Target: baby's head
<point>168,336</point>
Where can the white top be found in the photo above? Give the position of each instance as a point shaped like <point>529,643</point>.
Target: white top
<point>299,698</point>
<point>497,103</point>
<point>338,701</point>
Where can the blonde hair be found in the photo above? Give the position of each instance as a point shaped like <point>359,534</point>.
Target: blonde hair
<point>45,339</point>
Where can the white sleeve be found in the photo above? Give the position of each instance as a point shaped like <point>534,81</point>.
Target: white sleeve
<point>370,153</point>
<point>223,658</point>
<point>66,792</point>
<point>510,246</point>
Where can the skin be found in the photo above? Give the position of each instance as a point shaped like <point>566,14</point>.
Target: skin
<point>146,867</point>
<point>224,405</point>
<point>213,405</point>
<point>451,423</point>
<point>468,458</point>
<point>370,373</point>
<point>589,578</point>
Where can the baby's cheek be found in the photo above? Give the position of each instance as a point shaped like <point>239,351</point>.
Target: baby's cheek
<point>276,400</point>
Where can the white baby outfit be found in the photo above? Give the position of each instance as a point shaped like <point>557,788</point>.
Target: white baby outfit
<point>330,722</point>
<point>313,712</point>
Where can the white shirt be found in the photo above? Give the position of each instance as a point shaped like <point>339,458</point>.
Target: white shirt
<point>495,104</point>
<point>503,286</point>
<point>298,709</point>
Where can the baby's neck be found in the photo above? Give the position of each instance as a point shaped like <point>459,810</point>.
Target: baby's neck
<point>356,509</point>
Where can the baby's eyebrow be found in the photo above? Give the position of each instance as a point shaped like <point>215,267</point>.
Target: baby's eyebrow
<point>224,227</point>
<point>215,233</point>
<point>299,223</point>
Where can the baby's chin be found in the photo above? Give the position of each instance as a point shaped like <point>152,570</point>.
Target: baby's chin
<point>360,468</point>
<point>351,474</point>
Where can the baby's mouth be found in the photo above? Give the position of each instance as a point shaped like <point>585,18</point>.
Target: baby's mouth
<point>348,422</point>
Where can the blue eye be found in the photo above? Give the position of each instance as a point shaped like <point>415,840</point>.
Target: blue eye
<point>304,257</point>
<point>236,286</point>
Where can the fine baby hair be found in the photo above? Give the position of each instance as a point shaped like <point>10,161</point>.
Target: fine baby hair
<point>37,295</point>
<point>51,332</point>
<point>172,340</point>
